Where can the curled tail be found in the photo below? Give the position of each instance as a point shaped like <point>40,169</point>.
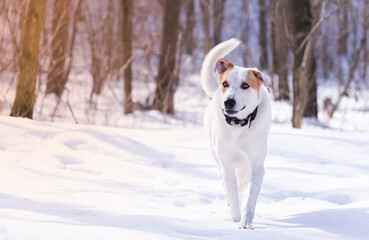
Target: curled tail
<point>208,82</point>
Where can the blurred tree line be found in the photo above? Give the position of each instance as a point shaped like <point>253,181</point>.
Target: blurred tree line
<point>42,41</point>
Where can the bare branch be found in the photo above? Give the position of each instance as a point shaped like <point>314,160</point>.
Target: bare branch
<point>317,25</point>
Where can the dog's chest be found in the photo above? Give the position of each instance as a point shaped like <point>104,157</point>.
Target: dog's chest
<point>233,151</point>
<point>237,159</point>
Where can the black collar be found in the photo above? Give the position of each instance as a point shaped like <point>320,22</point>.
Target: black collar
<point>242,122</point>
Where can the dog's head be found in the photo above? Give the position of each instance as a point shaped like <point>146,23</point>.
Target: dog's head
<point>239,88</point>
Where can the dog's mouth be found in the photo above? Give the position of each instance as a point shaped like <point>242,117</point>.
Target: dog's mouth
<point>231,112</point>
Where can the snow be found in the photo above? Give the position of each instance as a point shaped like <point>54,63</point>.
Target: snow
<point>149,176</point>
<point>66,181</point>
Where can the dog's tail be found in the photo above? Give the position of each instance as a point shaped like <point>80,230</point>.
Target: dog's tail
<point>207,70</point>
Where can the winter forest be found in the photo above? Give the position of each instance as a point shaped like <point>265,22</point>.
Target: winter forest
<point>87,58</point>
<point>102,111</point>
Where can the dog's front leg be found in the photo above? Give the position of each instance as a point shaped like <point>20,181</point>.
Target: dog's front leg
<point>257,176</point>
<point>230,187</point>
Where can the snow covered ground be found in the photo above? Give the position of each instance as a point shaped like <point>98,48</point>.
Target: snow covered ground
<point>66,181</point>
<point>149,176</point>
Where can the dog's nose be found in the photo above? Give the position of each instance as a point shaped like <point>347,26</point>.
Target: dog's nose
<point>230,103</point>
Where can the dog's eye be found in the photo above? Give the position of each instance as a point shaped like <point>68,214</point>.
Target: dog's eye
<point>245,85</point>
<point>225,84</point>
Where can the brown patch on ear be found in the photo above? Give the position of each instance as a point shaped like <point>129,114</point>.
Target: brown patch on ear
<point>262,78</point>
<point>222,67</point>
<point>253,81</point>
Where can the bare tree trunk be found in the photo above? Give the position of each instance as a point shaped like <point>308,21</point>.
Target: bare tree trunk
<point>344,30</point>
<point>218,19</point>
<point>280,47</point>
<point>354,60</point>
<point>190,24</point>
<point>28,60</point>
<point>167,77</point>
<point>366,62</point>
<point>326,61</point>
<point>76,18</point>
<point>366,48</point>
<point>311,109</point>
<point>205,4</point>
<point>299,23</point>
<point>59,44</point>
<point>102,45</point>
<point>273,49</point>
<point>263,43</point>
<point>245,30</point>
<point>23,12</point>
<point>127,9</point>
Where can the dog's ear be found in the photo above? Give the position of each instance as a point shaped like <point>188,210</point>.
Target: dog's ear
<point>260,76</point>
<point>222,65</point>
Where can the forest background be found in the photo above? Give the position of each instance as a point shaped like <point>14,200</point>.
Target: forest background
<point>93,61</point>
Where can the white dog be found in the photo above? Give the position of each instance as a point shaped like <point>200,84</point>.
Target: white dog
<point>237,123</point>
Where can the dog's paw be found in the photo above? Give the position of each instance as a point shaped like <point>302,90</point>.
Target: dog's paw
<point>245,225</point>
<point>242,226</point>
